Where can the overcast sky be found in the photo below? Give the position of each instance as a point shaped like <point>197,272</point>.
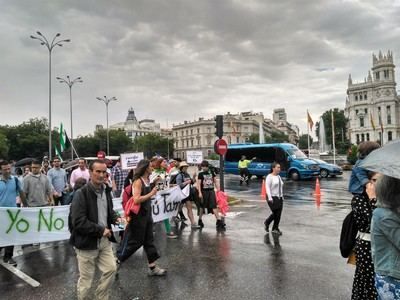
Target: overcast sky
<point>179,60</point>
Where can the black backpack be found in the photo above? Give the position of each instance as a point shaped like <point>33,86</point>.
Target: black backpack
<point>348,235</point>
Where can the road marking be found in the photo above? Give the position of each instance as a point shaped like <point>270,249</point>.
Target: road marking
<point>20,274</point>
<point>233,214</point>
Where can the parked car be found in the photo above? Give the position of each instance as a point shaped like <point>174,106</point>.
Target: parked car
<point>327,169</point>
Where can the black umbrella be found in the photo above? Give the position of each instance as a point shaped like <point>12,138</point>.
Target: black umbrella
<point>384,160</point>
<point>25,161</point>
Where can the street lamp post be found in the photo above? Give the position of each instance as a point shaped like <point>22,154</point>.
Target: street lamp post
<point>70,84</point>
<point>50,46</point>
<point>107,101</point>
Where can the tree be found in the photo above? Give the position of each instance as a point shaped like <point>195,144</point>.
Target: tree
<point>303,141</point>
<point>276,137</point>
<point>340,122</point>
<point>3,146</point>
<point>152,144</point>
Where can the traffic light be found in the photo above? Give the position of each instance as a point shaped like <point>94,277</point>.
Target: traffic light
<point>219,125</point>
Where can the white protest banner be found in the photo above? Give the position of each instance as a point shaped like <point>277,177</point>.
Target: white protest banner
<point>130,160</point>
<point>166,203</point>
<point>20,226</point>
<point>194,157</point>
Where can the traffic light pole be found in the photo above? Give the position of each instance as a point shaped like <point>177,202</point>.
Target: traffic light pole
<point>221,173</point>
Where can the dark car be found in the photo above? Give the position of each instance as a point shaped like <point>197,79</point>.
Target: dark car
<point>327,169</point>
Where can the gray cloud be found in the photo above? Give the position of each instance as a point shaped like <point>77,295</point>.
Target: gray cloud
<point>176,60</point>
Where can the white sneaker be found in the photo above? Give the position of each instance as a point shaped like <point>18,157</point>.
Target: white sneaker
<point>157,271</point>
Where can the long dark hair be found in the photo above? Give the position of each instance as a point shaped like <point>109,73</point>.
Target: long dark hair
<point>141,168</point>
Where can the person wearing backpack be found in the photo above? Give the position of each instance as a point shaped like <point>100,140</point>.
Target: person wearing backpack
<point>362,206</point>
<point>139,230</point>
<point>183,179</point>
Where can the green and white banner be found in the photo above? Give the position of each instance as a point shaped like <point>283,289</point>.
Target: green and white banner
<point>20,226</point>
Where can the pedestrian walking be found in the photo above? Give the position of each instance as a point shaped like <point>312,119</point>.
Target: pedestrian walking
<point>385,238</point>
<point>58,180</point>
<point>81,171</point>
<point>160,176</point>
<point>118,176</point>
<point>37,187</point>
<point>274,189</point>
<point>10,188</point>
<point>206,185</point>
<point>183,179</point>
<point>363,205</point>
<point>91,217</point>
<point>139,230</point>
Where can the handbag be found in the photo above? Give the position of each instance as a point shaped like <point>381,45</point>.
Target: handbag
<point>131,206</point>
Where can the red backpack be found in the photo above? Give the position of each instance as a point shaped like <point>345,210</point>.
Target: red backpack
<point>128,204</point>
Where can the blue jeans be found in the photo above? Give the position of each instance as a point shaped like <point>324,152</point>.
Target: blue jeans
<point>388,287</point>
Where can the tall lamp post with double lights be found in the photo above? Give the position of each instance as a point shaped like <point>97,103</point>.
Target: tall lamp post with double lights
<point>107,101</point>
<point>50,46</point>
<point>70,84</point>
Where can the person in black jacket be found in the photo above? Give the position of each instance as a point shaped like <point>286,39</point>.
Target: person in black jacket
<point>91,217</point>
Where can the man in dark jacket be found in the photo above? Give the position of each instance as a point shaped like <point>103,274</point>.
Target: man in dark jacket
<point>91,217</point>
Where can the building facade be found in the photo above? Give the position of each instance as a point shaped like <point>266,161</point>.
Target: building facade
<point>200,135</point>
<point>280,119</point>
<point>372,107</point>
<point>135,128</point>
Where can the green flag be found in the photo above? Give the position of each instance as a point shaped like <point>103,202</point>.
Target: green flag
<point>58,153</point>
<point>63,139</point>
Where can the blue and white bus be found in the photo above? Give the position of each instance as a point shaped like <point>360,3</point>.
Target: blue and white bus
<point>294,163</point>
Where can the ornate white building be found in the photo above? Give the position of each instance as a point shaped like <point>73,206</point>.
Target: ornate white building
<point>374,103</point>
<point>135,128</point>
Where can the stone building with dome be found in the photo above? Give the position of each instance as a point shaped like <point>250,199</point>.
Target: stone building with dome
<point>373,106</point>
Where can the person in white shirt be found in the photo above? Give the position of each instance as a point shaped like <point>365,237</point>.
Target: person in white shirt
<point>81,171</point>
<point>274,189</point>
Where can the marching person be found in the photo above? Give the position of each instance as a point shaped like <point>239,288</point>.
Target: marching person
<point>183,179</point>
<point>81,171</point>
<point>206,185</point>
<point>91,217</point>
<point>37,187</point>
<point>10,188</point>
<point>139,230</point>
<point>274,189</point>
<point>385,238</point>
<point>58,179</point>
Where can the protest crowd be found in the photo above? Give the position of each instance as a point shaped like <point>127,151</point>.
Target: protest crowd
<point>370,236</point>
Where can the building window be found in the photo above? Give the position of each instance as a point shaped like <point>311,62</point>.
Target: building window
<point>377,77</point>
<point>365,96</point>
<point>183,144</point>
<point>367,136</point>
<point>366,111</point>
<point>356,111</point>
<point>182,133</point>
<point>191,143</point>
<point>388,115</point>
<point>187,132</point>
<point>208,130</point>
<point>208,141</point>
<point>356,97</point>
<point>361,121</point>
<point>229,140</point>
<point>191,131</point>
<point>389,136</point>
<point>380,137</point>
<point>198,130</point>
<point>386,73</point>
<point>362,137</point>
<point>237,140</point>
<point>358,138</point>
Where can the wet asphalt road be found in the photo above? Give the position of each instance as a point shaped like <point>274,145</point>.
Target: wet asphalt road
<point>242,263</point>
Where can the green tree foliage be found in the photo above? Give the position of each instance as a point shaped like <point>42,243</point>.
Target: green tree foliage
<point>3,146</point>
<point>29,139</point>
<point>89,145</point>
<point>340,122</point>
<point>303,141</point>
<point>276,137</point>
<point>352,154</point>
<point>152,144</point>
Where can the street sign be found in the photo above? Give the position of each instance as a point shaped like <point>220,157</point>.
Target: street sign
<point>221,147</point>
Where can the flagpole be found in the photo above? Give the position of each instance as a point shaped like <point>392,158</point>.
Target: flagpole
<point>333,138</point>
